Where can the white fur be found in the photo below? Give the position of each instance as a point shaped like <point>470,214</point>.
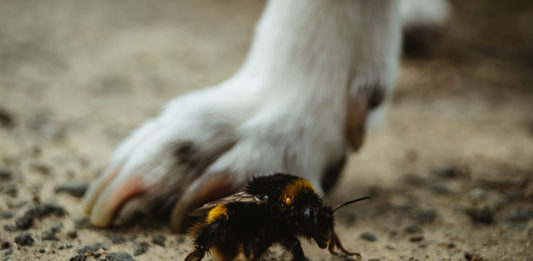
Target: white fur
<point>283,111</point>
<point>424,12</point>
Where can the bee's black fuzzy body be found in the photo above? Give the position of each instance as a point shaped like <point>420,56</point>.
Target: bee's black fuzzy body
<point>274,209</point>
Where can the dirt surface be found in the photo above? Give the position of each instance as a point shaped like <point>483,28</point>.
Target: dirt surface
<point>450,169</point>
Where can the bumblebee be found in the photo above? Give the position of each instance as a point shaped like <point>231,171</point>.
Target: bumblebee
<point>275,209</point>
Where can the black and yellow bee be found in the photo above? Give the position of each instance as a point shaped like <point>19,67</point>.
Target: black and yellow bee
<point>274,209</point>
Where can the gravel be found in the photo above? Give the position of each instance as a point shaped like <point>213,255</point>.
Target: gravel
<point>368,237</point>
<point>426,216</point>
<point>50,234</point>
<point>449,172</point>
<point>6,215</point>
<point>11,190</point>
<point>116,239</point>
<point>416,238</point>
<point>481,215</point>
<point>159,240</point>
<point>38,212</point>
<point>7,120</point>
<point>5,174</point>
<point>24,239</point>
<point>5,245</point>
<point>75,189</point>
<point>91,248</point>
<point>521,215</point>
<point>473,257</point>
<point>413,229</point>
<point>82,223</point>
<point>118,256</point>
<point>78,258</point>
<point>10,228</point>
<point>140,248</point>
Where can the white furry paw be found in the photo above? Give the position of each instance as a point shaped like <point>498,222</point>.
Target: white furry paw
<point>164,159</point>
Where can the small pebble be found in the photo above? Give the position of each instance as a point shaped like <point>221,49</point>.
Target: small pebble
<point>521,215</point>
<point>5,174</point>
<point>43,123</point>
<point>82,223</point>
<point>74,189</point>
<point>483,215</point>
<point>5,245</point>
<point>368,237</point>
<point>6,215</point>
<point>72,234</point>
<point>413,229</point>
<point>11,190</point>
<point>116,239</point>
<point>440,189</point>
<point>473,257</point>
<point>78,258</point>
<point>24,222</point>
<point>417,238</point>
<point>24,239</point>
<point>118,256</point>
<point>448,172</point>
<point>68,246</point>
<point>50,235</point>
<point>140,248</point>
<point>37,212</point>
<point>17,205</point>
<point>426,216</point>
<point>6,119</point>
<point>159,240</point>
<point>10,228</point>
<point>56,228</point>
<point>180,239</point>
<point>41,167</point>
<point>7,253</point>
<point>91,248</point>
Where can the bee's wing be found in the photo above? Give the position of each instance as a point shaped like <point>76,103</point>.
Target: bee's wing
<point>237,197</point>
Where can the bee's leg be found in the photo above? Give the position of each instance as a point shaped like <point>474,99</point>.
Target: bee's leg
<point>293,245</point>
<point>226,251</point>
<point>196,255</point>
<point>338,244</point>
<point>207,238</point>
<point>255,248</point>
<point>247,250</point>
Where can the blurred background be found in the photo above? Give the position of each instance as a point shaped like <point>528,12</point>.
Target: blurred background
<point>450,169</point>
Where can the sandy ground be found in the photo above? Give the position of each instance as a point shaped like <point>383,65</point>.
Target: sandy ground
<point>450,170</point>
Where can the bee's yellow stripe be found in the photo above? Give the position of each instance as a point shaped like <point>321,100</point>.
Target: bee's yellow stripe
<point>216,212</point>
<point>291,191</point>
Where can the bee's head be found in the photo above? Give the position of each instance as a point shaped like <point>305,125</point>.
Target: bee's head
<point>317,224</point>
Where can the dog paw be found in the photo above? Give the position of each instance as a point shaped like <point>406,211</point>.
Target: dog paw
<point>165,164</point>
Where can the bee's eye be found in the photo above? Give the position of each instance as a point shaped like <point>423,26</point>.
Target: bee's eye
<point>307,213</point>
<point>310,216</point>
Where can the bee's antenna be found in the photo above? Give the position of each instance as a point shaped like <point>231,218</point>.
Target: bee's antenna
<point>349,202</point>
